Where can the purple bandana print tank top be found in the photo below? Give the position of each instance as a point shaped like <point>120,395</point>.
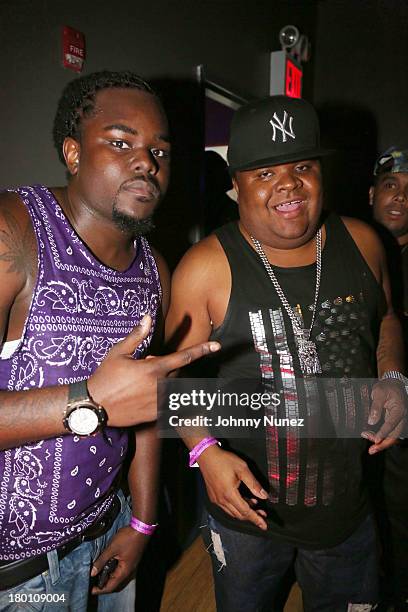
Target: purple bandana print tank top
<point>51,490</point>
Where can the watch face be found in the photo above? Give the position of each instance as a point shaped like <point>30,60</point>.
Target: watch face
<point>83,421</point>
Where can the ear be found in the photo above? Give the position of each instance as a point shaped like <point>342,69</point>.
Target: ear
<point>371,196</point>
<point>71,150</point>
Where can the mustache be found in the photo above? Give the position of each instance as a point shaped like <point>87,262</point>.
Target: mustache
<point>151,181</point>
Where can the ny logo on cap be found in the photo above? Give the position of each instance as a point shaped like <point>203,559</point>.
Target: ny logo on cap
<point>277,124</point>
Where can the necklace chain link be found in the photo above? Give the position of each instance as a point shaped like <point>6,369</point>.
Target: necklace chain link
<point>302,335</point>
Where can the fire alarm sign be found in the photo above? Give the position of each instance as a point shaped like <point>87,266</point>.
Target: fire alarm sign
<point>73,49</point>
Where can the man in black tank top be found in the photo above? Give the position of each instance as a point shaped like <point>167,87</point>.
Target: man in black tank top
<point>292,297</point>
<point>389,199</point>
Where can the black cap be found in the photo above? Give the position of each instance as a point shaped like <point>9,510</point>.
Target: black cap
<point>272,131</point>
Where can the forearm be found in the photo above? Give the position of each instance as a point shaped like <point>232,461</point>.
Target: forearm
<point>27,416</point>
<point>390,350</point>
<point>143,477</point>
<point>193,436</point>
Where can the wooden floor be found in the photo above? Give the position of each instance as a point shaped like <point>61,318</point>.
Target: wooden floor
<point>189,586</point>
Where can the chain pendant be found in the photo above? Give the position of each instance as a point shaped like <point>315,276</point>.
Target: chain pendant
<point>306,348</point>
<point>308,357</point>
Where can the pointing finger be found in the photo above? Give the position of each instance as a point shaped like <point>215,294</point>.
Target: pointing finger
<point>177,360</point>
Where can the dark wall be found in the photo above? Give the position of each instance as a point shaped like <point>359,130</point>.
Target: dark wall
<point>361,88</point>
<point>357,76</point>
<point>164,41</point>
<point>164,38</point>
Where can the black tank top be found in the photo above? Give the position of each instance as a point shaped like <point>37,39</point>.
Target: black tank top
<point>316,497</point>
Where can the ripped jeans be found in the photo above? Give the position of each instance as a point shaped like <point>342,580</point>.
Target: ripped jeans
<point>248,571</point>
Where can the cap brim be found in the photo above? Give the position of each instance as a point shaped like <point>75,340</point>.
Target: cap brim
<point>283,159</point>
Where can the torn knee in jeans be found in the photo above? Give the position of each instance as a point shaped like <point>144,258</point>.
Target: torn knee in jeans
<point>218,549</point>
<point>361,607</point>
<point>216,543</point>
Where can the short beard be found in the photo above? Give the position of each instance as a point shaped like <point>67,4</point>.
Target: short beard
<point>398,233</point>
<point>131,226</point>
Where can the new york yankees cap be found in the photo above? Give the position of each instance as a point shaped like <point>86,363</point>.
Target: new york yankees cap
<point>273,130</point>
<point>392,160</point>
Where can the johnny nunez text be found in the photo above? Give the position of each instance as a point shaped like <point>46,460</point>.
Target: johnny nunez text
<point>230,421</point>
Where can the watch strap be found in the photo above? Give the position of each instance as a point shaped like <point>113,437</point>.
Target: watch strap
<point>78,391</point>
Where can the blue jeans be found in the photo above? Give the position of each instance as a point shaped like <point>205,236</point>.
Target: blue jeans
<point>248,570</point>
<point>67,581</point>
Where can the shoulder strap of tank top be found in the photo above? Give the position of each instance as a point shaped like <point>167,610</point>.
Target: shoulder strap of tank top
<point>338,234</point>
<point>235,245</point>
<point>348,257</point>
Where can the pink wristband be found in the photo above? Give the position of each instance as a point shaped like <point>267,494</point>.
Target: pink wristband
<point>200,448</point>
<point>142,527</point>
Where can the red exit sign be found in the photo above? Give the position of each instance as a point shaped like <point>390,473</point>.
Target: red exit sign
<point>285,76</point>
<point>293,80</point>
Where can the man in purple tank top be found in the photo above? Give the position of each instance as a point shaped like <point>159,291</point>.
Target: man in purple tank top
<point>82,298</point>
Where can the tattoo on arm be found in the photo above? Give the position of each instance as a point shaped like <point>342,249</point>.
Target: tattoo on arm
<point>18,247</point>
